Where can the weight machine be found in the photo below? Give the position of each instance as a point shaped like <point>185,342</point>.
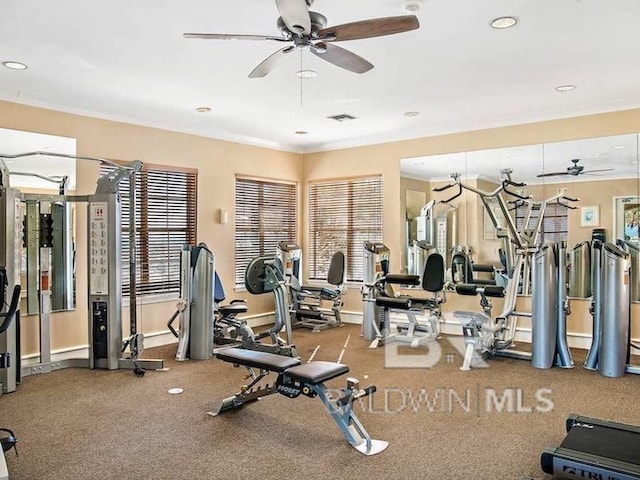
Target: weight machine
<point>379,299</point>
<point>523,252</point>
<point>106,345</point>
<point>308,302</point>
<point>436,229</point>
<point>610,351</point>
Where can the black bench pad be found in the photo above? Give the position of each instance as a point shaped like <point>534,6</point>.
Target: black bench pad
<point>322,291</point>
<point>403,303</point>
<point>234,308</point>
<point>317,372</point>
<point>262,360</point>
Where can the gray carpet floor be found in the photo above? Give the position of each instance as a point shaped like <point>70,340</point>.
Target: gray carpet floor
<point>441,423</point>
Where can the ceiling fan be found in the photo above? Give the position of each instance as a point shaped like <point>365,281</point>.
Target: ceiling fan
<point>306,29</point>
<point>574,170</point>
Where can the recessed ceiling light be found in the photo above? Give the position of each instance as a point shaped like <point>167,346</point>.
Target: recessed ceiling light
<point>411,114</point>
<point>203,109</point>
<point>565,88</point>
<point>14,65</point>
<point>619,147</point>
<point>301,132</point>
<point>412,7</point>
<point>501,23</point>
<point>307,73</point>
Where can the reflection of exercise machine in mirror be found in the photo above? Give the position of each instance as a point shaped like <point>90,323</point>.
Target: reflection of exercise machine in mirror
<point>436,229</point>
<point>48,246</point>
<point>522,250</point>
<point>104,264</point>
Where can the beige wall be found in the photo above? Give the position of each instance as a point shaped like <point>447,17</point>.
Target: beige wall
<point>385,159</point>
<point>217,162</point>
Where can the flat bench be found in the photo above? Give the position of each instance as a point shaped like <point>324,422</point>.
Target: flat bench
<point>296,378</point>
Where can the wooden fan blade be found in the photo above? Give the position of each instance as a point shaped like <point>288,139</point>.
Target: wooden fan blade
<point>343,58</point>
<point>268,63</point>
<point>375,27</point>
<point>553,174</point>
<point>295,15</point>
<point>222,36</point>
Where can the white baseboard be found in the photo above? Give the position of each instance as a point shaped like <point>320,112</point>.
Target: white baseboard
<point>449,326</point>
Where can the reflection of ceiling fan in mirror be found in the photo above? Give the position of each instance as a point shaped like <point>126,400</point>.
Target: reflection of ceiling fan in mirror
<point>306,29</point>
<point>574,170</point>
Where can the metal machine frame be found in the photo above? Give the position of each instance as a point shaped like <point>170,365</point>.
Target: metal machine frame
<point>550,305</point>
<point>106,345</point>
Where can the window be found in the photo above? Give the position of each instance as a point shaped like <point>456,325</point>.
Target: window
<point>166,199</point>
<point>554,225</point>
<point>266,214</point>
<point>343,214</point>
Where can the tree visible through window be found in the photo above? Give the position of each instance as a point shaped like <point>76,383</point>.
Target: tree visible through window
<point>343,214</point>
<point>265,215</point>
<point>166,210</point>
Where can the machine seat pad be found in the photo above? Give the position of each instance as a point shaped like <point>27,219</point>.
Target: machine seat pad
<point>317,372</point>
<point>322,291</point>
<point>255,359</point>
<point>402,303</point>
<point>233,309</point>
<point>398,278</point>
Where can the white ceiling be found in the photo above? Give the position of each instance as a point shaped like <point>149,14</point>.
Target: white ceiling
<point>618,153</point>
<point>126,60</point>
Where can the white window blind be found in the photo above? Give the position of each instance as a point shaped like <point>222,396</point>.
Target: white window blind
<point>166,211</point>
<point>266,213</point>
<point>343,214</point>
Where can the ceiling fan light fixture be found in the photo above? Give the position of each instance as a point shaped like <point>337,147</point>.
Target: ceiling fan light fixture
<point>502,23</point>
<point>301,132</point>
<point>13,65</point>
<point>565,88</point>
<point>203,109</point>
<point>307,73</point>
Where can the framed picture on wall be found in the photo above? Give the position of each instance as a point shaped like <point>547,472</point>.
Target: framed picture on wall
<point>627,218</point>
<point>590,216</point>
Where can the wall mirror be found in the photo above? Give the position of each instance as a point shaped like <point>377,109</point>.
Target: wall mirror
<point>602,172</point>
<point>41,175</point>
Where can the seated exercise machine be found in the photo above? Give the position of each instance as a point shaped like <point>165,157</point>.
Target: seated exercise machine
<point>413,331</point>
<point>204,321</point>
<point>463,270</point>
<point>295,378</point>
<point>307,306</point>
<point>595,449</point>
<point>380,300</point>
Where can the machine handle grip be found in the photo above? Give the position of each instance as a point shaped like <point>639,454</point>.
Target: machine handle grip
<point>446,187</point>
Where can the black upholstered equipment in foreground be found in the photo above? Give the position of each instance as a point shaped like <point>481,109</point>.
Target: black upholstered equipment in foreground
<point>294,379</point>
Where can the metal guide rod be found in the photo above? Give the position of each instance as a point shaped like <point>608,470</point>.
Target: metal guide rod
<point>132,255</point>
<point>128,165</point>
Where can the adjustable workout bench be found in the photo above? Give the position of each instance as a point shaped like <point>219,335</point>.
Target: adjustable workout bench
<point>295,378</point>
